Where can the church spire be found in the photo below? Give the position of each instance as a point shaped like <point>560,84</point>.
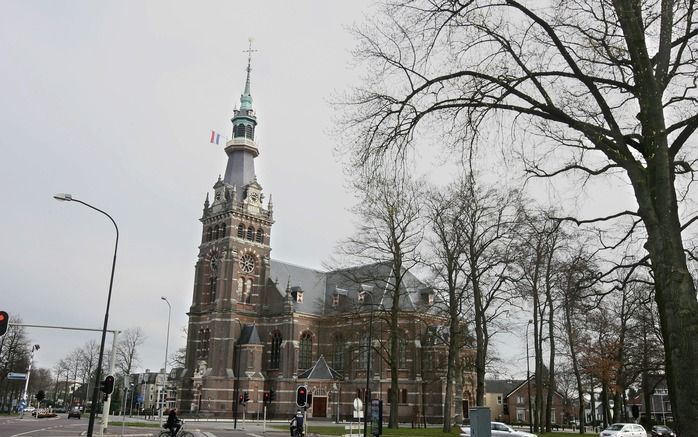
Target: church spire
<point>246,97</point>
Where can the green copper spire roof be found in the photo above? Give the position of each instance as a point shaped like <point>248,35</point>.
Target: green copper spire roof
<point>246,97</point>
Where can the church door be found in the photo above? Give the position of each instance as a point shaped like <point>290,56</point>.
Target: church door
<point>320,406</point>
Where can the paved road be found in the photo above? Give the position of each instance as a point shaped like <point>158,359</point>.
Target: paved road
<point>12,426</point>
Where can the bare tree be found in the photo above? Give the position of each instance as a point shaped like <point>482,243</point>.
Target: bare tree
<point>389,234</point>
<point>127,349</point>
<point>14,357</point>
<point>606,86</point>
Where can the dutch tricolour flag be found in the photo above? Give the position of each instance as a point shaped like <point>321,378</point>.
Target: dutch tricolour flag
<point>215,137</point>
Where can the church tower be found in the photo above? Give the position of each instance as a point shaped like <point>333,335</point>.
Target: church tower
<point>232,268</point>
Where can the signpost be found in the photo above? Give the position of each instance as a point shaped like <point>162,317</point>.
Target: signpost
<point>17,376</point>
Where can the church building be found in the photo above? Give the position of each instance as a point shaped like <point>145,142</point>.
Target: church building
<point>260,327</point>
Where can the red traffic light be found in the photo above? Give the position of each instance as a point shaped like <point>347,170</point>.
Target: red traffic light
<point>4,320</point>
<point>302,396</point>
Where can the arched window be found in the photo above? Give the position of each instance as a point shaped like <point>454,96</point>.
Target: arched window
<point>338,353</point>
<point>305,353</point>
<point>248,290</point>
<point>260,235</point>
<point>222,231</point>
<point>209,234</point>
<point>216,234</point>
<point>249,132</point>
<point>275,358</point>
<point>241,231</point>
<point>250,233</point>
<point>240,130</point>
<point>363,351</point>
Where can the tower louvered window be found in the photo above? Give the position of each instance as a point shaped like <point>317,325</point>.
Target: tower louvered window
<point>240,130</point>
<point>260,235</point>
<point>212,289</point>
<point>249,132</point>
<point>275,358</point>
<point>209,234</point>
<point>250,233</point>
<point>305,352</point>
<point>241,231</point>
<point>222,231</point>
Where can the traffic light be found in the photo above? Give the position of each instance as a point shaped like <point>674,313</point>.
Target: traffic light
<point>241,399</point>
<point>246,397</point>
<point>302,396</point>
<point>107,386</point>
<point>271,395</point>
<point>635,409</point>
<point>4,320</point>
<point>265,398</point>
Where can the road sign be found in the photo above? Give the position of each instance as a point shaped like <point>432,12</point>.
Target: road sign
<point>17,376</point>
<point>139,398</point>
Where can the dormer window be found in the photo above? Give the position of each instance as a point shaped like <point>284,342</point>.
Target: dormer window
<point>297,294</point>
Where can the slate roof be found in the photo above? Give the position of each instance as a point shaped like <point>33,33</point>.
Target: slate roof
<point>249,335</point>
<point>320,371</point>
<point>319,287</point>
<point>504,386</point>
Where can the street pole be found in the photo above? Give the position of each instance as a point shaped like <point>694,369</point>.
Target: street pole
<point>528,382</point>
<point>236,400</point>
<point>368,368</point>
<point>98,373</point>
<point>112,364</point>
<point>29,372</point>
<point>167,345</point>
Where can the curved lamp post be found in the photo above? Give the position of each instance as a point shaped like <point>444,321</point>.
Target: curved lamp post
<point>98,374</point>
<point>167,346</point>
<point>528,382</point>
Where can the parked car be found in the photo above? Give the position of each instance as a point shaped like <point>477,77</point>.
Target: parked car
<point>29,409</point>
<point>624,430</point>
<point>74,412</point>
<point>662,431</point>
<point>499,429</point>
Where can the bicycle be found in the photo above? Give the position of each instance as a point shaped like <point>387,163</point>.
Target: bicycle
<point>180,433</point>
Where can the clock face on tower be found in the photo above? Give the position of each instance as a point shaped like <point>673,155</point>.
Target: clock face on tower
<point>247,263</point>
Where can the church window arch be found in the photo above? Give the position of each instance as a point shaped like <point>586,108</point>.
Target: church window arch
<point>250,233</point>
<point>248,290</point>
<point>209,234</point>
<point>240,130</point>
<point>216,232</point>
<point>249,132</point>
<point>260,235</point>
<point>305,355</point>
<point>338,353</point>
<point>222,231</point>
<point>241,231</point>
<point>275,357</point>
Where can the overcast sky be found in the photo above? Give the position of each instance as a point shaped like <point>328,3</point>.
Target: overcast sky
<point>114,101</point>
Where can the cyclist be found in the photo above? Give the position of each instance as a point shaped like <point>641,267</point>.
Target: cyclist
<point>173,423</point>
<point>297,424</point>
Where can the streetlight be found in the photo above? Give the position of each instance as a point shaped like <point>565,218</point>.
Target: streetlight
<point>528,382</point>
<point>98,373</point>
<point>167,346</point>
